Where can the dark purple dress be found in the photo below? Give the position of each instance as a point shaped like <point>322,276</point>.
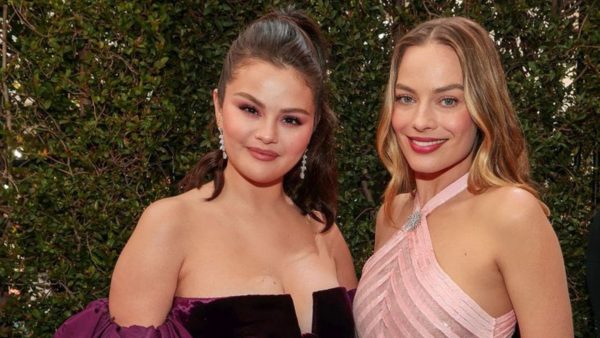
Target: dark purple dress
<point>256,316</point>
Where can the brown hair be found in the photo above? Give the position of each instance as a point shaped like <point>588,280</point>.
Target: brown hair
<point>500,151</point>
<point>286,38</point>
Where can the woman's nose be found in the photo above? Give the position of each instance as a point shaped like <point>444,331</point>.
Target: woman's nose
<point>267,132</point>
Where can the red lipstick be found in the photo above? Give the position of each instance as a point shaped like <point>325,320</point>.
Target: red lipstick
<point>425,145</point>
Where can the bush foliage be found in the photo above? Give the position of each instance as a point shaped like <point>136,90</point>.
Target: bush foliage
<point>106,105</point>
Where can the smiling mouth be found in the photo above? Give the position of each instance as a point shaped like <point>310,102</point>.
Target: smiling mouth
<point>424,145</point>
<point>427,143</point>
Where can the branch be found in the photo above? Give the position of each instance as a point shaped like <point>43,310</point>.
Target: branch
<point>27,23</point>
<point>6,102</point>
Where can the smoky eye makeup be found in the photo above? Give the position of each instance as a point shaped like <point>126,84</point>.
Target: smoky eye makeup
<point>248,108</point>
<point>292,120</point>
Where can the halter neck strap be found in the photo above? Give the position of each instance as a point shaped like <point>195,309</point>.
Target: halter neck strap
<point>441,197</point>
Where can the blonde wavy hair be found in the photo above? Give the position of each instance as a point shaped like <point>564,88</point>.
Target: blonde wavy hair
<point>500,154</point>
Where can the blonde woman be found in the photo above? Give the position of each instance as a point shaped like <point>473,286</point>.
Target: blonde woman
<point>463,246</point>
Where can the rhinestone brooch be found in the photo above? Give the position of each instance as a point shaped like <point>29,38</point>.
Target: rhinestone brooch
<point>413,221</point>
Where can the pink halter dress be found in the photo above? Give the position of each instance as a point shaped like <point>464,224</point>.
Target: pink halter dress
<point>404,292</point>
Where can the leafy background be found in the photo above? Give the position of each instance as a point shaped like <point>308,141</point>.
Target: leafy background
<point>106,105</point>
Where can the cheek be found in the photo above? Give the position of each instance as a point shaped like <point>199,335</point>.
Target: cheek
<point>304,134</point>
<point>297,140</point>
<point>464,125</point>
<point>235,126</point>
<point>301,140</point>
<point>398,122</point>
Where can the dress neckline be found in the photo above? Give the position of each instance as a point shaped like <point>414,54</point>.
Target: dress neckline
<point>418,213</point>
<point>286,297</point>
<point>440,198</point>
<point>210,299</point>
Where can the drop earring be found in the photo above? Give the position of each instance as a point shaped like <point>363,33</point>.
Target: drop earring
<point>303,165</point>
<point>222,144</point>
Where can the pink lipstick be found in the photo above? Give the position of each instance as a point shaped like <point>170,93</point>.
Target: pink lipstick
<point>262,154</point>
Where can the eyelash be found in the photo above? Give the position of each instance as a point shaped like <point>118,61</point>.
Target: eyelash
<point>290,120</point>
<point>454,101</point>
<point>403,100</point>
<point>249,109</point>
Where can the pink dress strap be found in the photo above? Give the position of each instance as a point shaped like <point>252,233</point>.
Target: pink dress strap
<point>404,292</point>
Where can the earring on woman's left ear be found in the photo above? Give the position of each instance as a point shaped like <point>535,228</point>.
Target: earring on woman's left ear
<point>303,165</point>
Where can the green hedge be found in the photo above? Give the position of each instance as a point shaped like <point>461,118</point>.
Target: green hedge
<point>110,105</point>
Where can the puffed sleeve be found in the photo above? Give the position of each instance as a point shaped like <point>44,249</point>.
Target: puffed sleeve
<point>95,322</point>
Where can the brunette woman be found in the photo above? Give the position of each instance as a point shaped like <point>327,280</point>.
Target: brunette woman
<point>254,252</point>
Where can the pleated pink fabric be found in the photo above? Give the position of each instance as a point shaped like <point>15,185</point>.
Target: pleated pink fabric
<point>404,292</point>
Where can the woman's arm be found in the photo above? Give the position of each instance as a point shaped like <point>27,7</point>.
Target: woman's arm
<point>346,274</point>
<point>531,263</point>
<point>145,276</point>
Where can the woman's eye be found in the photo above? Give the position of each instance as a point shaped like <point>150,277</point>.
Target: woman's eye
<point>449,102</point>
<point>292,120</point>
<point>249,110</point>
<point>404,99</point>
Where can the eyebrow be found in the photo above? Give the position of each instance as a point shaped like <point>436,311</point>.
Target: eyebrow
<point>262,105</point>
<point>437,90</point>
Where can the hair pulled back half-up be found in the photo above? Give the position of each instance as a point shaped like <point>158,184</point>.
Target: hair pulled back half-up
<point>286,38</point>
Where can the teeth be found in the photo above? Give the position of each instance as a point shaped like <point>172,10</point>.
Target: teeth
<point>426,143</point>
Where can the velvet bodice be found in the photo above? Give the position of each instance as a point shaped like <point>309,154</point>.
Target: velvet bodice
<point>259,316</point>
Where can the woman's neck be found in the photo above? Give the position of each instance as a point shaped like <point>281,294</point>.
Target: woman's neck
<point>243,192</point>
<point>429,185</point>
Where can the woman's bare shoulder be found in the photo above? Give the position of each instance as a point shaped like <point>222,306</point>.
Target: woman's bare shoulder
<point>163,216</point>
<point>145,276</point>
<point>528,254</point>
<point>513,216</point>
<point>174,210</point>
<point>510,205</point>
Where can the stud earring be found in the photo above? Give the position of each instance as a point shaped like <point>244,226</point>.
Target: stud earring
<point>303,165</point>
<point>222,144</point>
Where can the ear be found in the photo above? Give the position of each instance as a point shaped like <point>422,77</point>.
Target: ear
<point>218,108</point>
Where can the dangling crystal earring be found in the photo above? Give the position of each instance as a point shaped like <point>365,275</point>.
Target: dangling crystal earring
<point>222,144</point>
<point>303,165</point>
